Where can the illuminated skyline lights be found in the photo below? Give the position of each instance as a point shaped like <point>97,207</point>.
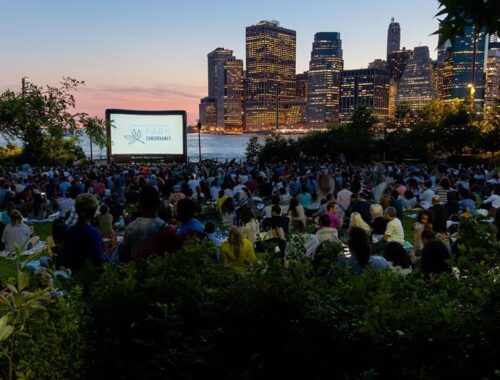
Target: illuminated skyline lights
<point>323,79</point>
<point>417,85</point>
<point>270,74</point>
<point>365,87</point>
<point>492,88</point>
<point>462,56</point>
<point>230,96</point>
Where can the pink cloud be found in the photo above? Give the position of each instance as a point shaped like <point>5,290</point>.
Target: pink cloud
<point>94,101</point>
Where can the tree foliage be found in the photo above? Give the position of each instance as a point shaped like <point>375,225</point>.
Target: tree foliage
<point>39,117</point>
<point>459,14</point>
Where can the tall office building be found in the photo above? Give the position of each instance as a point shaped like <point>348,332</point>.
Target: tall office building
<point>214,59</point>
<point>417,85</point>
<point>492,90</point>
<point>393,37</point>
<point>468,55</point>
<point>270,65</point>
<point>397,63</point>
<point>208,114</point>
<point>230,96</point>
<point>323,79</point>
<point>365,87</point>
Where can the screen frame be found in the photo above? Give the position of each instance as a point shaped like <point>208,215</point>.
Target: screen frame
<point>145,157</point>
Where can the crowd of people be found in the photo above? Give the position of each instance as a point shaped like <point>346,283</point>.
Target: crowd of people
<point>113,213</point>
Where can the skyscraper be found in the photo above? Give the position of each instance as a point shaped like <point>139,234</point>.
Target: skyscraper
<point>214,58</point>
<point>492,90</point>
<point>397,63</point>
<point>208,114</point>
<point>301,85</point>
<point>270,65</point>
<point>468,55</point>
<point>230,96</point>
<point>323,79</point>
<point>365,87</point>
<point>417,85</point>
<point>393,37</point>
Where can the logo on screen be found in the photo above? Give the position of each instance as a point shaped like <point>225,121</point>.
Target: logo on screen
<point>134,137</point>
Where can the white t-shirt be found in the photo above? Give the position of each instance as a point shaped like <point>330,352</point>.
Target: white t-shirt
<point>395,231</point>
<point>16,235</point>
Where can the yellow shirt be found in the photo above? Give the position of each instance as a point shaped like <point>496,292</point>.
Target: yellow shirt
<point>219,203</point>
<point>247,255</point>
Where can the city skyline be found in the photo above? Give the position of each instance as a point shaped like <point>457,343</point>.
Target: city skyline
<point>153,56</point>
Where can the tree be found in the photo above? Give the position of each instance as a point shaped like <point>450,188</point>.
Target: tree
<point>95,129</point>
<point>363,119</point>
<point>39,117</point>
<point>482,14</point>
<point>253,150</point>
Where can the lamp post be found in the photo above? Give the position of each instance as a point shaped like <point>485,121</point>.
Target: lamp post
<point>199,140</point>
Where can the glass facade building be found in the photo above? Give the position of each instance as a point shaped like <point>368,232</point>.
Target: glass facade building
<point>323,79</point>
<point>468,55</point>
<point>214,58</point>
<point>365,87</point>
<point>417,86</point>
<point>230,96</point>
<point>492,90</point>
<point>270,74</point>
<point>208,114</point>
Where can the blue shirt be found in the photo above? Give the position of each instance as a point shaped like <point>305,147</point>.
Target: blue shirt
<point>82,243</point>
<point>468,203</point>
<point>192,225</point>
<point>305,200</point>
<point>377,262</point>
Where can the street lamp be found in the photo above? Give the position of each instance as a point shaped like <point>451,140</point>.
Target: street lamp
<point>199,140</point>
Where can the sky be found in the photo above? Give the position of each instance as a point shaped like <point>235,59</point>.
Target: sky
<point>151,54</point>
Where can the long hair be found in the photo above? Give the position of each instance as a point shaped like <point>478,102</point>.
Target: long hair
<point>357,221</point>
<point>359,245</point>
<point>293,207</point>
<point>235,239</point>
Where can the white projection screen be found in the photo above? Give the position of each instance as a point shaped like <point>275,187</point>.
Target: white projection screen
<point>146,135</point>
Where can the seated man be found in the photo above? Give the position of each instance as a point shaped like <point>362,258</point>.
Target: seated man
<point>82,242</point>
<point>144,228</point>
<point>276,220</point>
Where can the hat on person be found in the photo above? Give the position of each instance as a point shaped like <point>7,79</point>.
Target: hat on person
<point>84,202</point>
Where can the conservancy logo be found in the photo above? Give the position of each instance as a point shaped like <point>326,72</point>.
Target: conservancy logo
<point>134,137</point>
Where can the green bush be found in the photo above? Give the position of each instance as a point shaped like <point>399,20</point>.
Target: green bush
<point>185,317</point>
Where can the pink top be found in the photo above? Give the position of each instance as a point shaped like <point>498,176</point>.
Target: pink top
<point>335,220</point>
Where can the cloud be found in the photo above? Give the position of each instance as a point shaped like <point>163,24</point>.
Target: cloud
<point>167,90</point>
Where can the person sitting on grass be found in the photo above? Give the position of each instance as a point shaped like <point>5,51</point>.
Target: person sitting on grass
<point>361,252</point>
<point>143,229</point>
<point>190,226</point>
<point>435,258</point>
<point>16,233</point>
<point>397,257</point>
<point>237,251</point>
<point>82,242</point>
<point>326,232</point>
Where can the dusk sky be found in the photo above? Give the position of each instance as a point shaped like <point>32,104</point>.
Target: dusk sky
<point>151,54</point>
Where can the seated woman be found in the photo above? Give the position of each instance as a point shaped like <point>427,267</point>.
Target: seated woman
<point>378,223</point>
<point>409,200</point>
<point>309,242</point>
<point>360,249</point>
<point>296,211</point>
<point>356,221</point>
<point>326,232</point>
<point>237,251</point>
<point>331,211</point>
<point>189,224</point>
<point>424,219</point>
<point>228,212</point>
<point>16,233</point>
<point>249,224</point>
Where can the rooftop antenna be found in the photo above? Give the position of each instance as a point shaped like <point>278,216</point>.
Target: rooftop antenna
<point>392,19</point>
